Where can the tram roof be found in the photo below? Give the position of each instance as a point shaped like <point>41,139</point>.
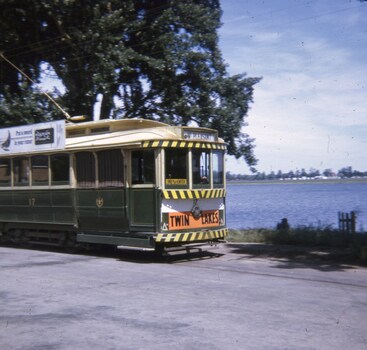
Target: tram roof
<point>126,132</point>
<point>114,125</point>
<point>56,136</point>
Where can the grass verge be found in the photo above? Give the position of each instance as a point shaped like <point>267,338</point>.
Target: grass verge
<point>354,244</point>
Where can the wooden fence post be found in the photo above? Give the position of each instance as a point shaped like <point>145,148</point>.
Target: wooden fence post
<point>347,222</point>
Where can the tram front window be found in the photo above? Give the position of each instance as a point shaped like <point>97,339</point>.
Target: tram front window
<point>176,167</point>
<point>200,167</point>
<point>218,173</point>
<point>143,169</point>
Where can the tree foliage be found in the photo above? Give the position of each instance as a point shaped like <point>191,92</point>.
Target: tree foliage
<point>155,59</point>
<point>312,174</point>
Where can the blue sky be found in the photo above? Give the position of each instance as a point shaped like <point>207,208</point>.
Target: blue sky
<point>310,108</point>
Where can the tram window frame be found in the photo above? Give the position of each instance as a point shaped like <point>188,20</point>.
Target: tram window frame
<point>110,168</point>
<point>201,168</point>
<point>143,167</point>
<point>5,172</point>
<point>85,169</point>
<point>60,169</point>
<point>40,170</point>
<point>21,172</point>
<point>218,168</point>
<point>176,165</point>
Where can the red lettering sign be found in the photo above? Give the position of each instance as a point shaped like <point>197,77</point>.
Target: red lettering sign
<point>185,220</point>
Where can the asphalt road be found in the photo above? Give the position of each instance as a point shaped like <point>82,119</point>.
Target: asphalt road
<point>233,298</point>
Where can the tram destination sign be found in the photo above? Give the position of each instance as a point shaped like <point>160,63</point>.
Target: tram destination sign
<point>199,135</point>
<point>33,138</point>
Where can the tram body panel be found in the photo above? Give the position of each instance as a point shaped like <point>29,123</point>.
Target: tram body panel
<point>101,210</point>
<point>39,206</point>
<point>142,209</point>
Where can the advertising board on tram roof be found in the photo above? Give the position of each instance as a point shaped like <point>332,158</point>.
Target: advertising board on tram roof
<point>33,138</point>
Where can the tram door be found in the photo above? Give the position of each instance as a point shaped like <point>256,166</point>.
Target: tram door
<point>143,203</point>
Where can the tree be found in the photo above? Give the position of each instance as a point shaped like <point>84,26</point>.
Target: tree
<point>328,173</point>
<point>345,172</point>
<point>313,172</point>
<point>154,59</point>
<point>279,175</point>
<point>28,107</point>
<point>303,172</point>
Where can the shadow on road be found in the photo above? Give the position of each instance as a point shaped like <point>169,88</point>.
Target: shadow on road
<point>285,256</point>
<point>171,257</point>
<point>290,257</point>
<point>136,256</point>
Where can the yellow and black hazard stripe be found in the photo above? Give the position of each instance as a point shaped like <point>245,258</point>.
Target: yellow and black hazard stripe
<point>184,237</point>
<point>183,144</point>
<point>193,194</point>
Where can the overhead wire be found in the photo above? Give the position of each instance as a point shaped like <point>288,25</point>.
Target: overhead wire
<point>31,80</point>
<point>295,20</point>
<point>261,14</point>
<point>274,25</point>
<point>56,43</point>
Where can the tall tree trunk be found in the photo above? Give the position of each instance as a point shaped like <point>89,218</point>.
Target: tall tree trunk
<point>106,106</point>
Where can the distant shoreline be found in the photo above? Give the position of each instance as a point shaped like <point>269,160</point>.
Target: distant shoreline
<point>296,181</point>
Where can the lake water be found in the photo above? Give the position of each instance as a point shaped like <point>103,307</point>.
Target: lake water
<point>264,205</point>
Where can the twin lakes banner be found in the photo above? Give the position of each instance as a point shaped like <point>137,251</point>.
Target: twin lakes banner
<point>30,138</point>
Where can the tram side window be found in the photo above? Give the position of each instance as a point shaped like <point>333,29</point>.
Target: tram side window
<point>21,171</point>
<point>60,169</point>
<point>85,169</point>
<point>39,165</point>
<point>176,167</point>
<point>200,167</point>
<point>110,168</point>
<point>218,173</point>
<point>142,167</point>
<point>5,172</point>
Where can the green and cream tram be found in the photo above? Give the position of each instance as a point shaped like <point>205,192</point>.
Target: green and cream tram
<point>130,183</point>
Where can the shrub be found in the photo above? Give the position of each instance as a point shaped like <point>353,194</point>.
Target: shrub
<point>305,236</point>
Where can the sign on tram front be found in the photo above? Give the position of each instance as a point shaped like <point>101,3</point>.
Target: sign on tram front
<point>33,138</point>
<point>199,135</point>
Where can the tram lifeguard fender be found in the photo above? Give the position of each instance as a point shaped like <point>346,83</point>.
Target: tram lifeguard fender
<point>192,236</point>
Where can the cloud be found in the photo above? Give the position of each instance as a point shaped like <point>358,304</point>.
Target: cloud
<point>266,37</point>
<point>310,107</point>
